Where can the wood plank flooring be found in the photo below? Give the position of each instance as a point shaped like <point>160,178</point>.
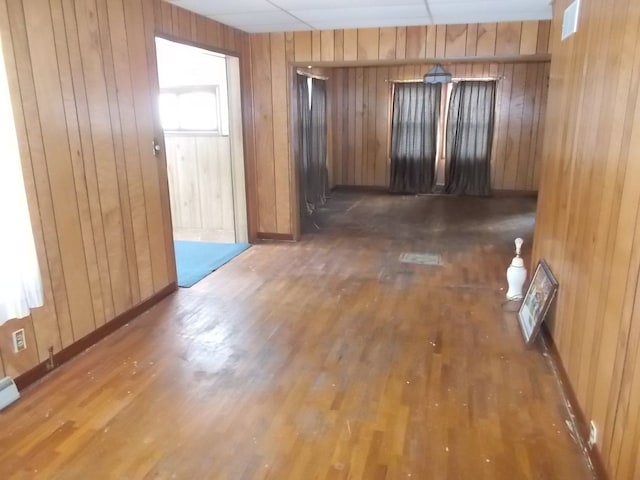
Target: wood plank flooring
<point>323,359</point>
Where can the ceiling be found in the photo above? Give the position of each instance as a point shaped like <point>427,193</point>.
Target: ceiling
<point>290,15</point>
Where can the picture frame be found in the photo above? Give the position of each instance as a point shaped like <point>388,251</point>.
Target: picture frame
<point>535,306</point>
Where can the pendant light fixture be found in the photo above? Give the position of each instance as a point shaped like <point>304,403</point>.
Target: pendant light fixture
<point>437,75</point>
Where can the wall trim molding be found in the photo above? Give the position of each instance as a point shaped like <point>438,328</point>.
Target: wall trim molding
<point>533,58</point>
<point>280,237</point>
<point>580,419</point>
<point>192,43</point>
<point>514,193</point>
<point>361,188</point>
<point>67,353</point>
<point>385,189</point>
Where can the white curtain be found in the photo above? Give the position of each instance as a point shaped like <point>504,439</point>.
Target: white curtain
<point>20,282</point>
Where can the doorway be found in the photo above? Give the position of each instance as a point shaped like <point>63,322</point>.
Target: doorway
<point>201,120</point>
<point>200,112</point>
<point>312,147</point>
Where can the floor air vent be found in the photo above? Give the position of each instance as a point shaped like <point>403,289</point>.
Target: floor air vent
<point>421,258</point>
<point>8,392</point>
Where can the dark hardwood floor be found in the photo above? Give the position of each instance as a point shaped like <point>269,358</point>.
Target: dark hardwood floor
<point>323,359</point>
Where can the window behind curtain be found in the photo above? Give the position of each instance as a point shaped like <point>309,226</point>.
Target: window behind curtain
<point>469,137</point>
<point>20,283</point>
<point>414,128</point>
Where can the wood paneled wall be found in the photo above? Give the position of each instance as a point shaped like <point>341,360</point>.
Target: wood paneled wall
<point>180,24</point>
<point>273,122</point>
<point>588,222</point>
<point>360,122</point>
<point>83,80</point>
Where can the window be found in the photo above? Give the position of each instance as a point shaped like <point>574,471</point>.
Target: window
<point>20,283</point>
<point>469,122</point>
<point>193,89</point>
<point>441,157</point>
<point>441,136</point>
<point>191,109</point>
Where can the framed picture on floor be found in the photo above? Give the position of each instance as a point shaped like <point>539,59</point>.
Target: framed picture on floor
<point>541,292</point>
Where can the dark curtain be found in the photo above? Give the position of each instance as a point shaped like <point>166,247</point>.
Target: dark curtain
<point>414,130</point>
<point>469,137</point>
<point>304,140</point>
<point>317,181</point>
<point>312,137</point>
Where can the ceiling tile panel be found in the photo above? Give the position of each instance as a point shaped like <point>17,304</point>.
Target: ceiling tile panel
<point>492,11</point>
<point>283,27</point>
<point>272,16</point>
<point>257,18</point>
<point>358,23</point>
<point>206,8</point>
<point>341,4</point>
<point>361,14</point>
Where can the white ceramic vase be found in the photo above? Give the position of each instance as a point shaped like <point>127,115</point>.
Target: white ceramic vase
<point>516,274</point>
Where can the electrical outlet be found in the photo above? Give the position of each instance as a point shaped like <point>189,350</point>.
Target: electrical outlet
<point>19,340</point>
<point>593,434</point>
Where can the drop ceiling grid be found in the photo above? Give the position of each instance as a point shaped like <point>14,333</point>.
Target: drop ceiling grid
<point>293,15</point>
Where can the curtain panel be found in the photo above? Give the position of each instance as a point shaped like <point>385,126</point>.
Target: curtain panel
<point>318,180</point>
<point>469,137</point>
<point>304,136</point>
<point>312,137</point>
<point>20,281</point>
<point>414,130</point>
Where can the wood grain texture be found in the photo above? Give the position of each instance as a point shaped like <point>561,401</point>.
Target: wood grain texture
<point>521,98</point>
<point>381,370</point>
<point>589,214</point>
<point>83,82</point>
<point>272,96</point>
<point>200,179</point>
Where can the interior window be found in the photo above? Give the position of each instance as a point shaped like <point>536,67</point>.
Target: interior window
<point>190,109</point>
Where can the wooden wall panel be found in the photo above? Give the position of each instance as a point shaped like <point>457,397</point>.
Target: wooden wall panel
<point>401,43</point>
<point>83,82</point>
<point>263,108</point>
<point>456,41</point>
<point>173,21</point>
<point>521,93</point>
<point>508,37</point>
<point>368,44</point>
<point>48,96</point>
<point>316,46</point>
<point>271,129</point>
<point>416,42</point>
<point>513,121</point>
<point>388,38</point>
<point>280,120</point>
<point>486,42</point>
<point>588,220</point>
<point>200,184</point>
<point>327,49</point>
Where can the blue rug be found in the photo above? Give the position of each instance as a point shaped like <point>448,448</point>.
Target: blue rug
<point>196,260</point>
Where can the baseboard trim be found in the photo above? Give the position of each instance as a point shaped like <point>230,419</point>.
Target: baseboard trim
<point>581,422</point>
<point>514,193</point>
<point>281,237</point>
<point>361,188</point>
<point>385,189</point>
<point>67,353</point>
